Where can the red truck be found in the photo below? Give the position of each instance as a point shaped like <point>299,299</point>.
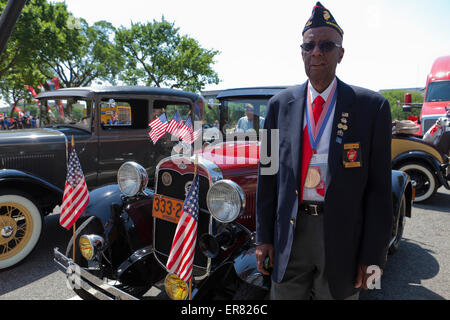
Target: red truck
<point>437,95</point>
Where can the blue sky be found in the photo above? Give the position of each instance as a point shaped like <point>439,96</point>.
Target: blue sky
<point>388,43</point>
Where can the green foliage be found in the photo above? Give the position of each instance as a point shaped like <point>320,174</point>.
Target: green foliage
<point>48,41</point>
<point>396,100</point>
<point>157,55</point>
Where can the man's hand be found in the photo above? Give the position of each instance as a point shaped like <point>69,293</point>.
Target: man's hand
<point>263,251</point>
<point>362,276</point>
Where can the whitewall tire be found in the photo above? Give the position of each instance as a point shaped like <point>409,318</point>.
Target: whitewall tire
<point>20,228</point>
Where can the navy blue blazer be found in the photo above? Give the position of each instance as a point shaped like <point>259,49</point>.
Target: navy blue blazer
<point>358,212</point>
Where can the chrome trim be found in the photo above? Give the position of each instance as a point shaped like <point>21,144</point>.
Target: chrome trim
<point>214,175</point>
<point>142,177</point>
<point>86,279</point>
<point>240,193</point>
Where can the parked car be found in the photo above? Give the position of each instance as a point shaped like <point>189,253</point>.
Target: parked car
<point>109,126</point>
<point>124,239</point>
<point>427,163</point>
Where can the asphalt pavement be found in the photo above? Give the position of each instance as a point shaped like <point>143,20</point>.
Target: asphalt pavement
<point>419,270</point>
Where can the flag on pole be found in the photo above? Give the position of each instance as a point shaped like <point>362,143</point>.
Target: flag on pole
<point>175,124</point>
<point>76,194</point>
<point>158,128</point>
<point>181,257</point>
<point>187,133</point>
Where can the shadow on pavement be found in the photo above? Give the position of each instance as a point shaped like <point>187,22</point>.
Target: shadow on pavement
<point>39,263</point>
<point>404,273</point>
<point>438,202</point>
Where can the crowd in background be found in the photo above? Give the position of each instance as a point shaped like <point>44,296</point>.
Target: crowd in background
<point>25,121</point>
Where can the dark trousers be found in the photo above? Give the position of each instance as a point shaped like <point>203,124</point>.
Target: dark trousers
<point>305,276</point>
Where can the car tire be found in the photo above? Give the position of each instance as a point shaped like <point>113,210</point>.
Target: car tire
<point>20,227</point>
<point>426,181</point>
<point>399,227</point>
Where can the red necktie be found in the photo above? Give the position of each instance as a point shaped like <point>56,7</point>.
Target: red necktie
<point>306,145</point>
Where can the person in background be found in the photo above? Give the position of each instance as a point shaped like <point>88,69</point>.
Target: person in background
<point>246,123</point>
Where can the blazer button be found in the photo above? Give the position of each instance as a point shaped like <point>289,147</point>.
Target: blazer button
<point>296,192</point>
<point>292,222</point>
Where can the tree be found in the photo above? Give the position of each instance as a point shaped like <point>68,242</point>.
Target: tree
<point>396,99</point>
<point>83,54</point>
<point>157,55</point>
<point>37,27</point>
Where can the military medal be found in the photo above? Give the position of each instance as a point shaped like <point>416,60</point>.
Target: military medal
<point>313,178</point>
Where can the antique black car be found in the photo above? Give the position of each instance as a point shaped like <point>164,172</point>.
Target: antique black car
<point>124,238</point>
<point>109,126</point>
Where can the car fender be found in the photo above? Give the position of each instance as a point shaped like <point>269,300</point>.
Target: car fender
<point>417,156</point>
<point>111,208</point>
<point>401,184</point>
<point>245,266</point>
<point>47,194</point>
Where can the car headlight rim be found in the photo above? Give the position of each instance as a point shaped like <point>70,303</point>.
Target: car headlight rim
<point>236,193</point>
<point>132,178</point>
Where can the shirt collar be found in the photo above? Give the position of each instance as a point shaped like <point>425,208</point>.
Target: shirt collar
<point>324,94</point>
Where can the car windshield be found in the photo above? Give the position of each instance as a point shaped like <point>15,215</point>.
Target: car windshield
<point>237,116</point>
<point>70,111</point>
<point>438,91</point>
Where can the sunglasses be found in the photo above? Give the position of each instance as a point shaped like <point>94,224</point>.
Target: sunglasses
<point>324,46</point>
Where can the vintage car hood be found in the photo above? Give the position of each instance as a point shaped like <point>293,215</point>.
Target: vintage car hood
<point>15,138</point>
<point>239,155</point>
<point>38,152</point>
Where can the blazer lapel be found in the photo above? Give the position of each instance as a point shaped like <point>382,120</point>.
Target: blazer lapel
<point>344,104</point>
<point>295,116</point>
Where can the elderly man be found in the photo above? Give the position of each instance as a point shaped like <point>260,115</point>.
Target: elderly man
<point>326,215</point>
<point>247,122</point>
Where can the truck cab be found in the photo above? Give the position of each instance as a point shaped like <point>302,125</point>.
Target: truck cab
<point>437,95</point>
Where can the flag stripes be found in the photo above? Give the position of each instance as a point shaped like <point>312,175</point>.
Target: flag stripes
<point>76,194</point>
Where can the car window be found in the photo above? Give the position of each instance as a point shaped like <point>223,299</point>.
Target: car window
<point>117,114</point>
<point>72,111</point>
<point>438,91</point>
<point>243,115</point>
<point>170,107</point>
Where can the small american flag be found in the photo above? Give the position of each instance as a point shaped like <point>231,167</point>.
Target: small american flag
<point>187,133</point>
<point>76,194</point>
<point>175,124</point>
<point>158,128</point>
<point>181,257</point>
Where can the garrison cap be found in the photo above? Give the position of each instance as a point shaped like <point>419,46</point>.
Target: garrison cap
<point>322,17</point>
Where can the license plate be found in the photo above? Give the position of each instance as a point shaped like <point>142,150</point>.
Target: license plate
<point>166,208</point>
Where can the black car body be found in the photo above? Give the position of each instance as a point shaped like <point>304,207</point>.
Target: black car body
<point>33,162</point>
<point>126,240</point>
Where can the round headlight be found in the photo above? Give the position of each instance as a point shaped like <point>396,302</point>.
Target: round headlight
<point>176,288</point>
<point>90,244</point>
<point>132,178</point>
<point>226,201</point>
<point>86,248</point>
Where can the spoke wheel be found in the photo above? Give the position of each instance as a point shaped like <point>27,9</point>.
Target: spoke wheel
<point>426,184</point>
<point>20,227</point>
